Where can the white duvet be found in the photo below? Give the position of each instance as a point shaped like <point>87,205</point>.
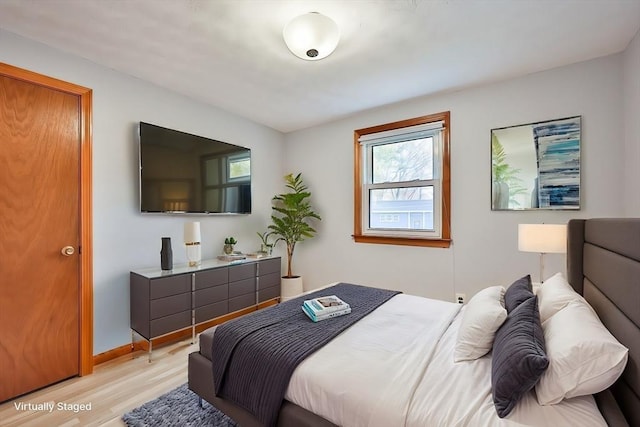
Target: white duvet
<point>395,368</point>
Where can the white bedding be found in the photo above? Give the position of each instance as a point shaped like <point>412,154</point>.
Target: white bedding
<point>395,368</point>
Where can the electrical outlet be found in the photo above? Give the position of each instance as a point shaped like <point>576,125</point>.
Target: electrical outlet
<point>461,298</point>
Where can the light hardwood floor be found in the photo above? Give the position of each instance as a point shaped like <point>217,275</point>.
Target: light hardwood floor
<point>114,388</point>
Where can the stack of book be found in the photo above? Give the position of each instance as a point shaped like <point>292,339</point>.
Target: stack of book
<point>325,307</point>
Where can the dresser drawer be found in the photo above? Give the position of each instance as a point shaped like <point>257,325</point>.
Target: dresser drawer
<point>242,271</point>
<point>247,286</point>
<point>211,311</point>
<point>243,301</point>
<point>268,266</point>
<point>162,307</point>
<point>207,279</point>
<point>268,280</point>
<point>167,286</point>
<point>171,323</point>
<point>211,295</point>
<point>268,293</point>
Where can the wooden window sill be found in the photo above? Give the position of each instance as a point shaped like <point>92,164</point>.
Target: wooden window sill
<point>404,241</point>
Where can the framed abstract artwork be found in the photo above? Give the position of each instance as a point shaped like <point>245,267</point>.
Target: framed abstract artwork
<point>536,165</point>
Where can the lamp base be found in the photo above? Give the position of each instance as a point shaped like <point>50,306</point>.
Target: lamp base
<point>194,255</point>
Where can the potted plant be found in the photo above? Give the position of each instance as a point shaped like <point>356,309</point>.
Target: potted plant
<point>228,245</point>
<point>506,184</point>
<point>290,219</point>
<point>265,246</point>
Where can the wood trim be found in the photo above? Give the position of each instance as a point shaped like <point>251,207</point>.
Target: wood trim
<point>403,241</point>
<point>357,184</point>
<point>176,336</point>
<point>41,79</point>
<point>112,354</point>
<point>446,179</point>
<point>86,232</point>
<point>444,116</point>
<point>445,240</point>
<point>268,303</point>
<point>86,213</point>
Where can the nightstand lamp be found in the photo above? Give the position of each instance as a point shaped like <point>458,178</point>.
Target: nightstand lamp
<point>544,239</point>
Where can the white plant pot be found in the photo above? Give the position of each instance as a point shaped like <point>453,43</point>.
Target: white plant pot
<point>290,287</point>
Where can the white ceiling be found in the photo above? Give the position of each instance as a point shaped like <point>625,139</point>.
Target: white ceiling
<point>230,53</point>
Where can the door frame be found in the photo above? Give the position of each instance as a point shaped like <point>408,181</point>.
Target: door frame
<point>85,251</point>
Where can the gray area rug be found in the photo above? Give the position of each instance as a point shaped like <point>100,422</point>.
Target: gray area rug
<point>179,407</point>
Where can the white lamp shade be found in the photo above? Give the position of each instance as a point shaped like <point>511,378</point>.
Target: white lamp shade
<point>542,238</point>
<point>192,232</point>
<point>311,36</point>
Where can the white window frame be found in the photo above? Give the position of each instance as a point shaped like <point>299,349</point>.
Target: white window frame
<point>435,126</point>
<point>238,158</point>
<point>372,140</point>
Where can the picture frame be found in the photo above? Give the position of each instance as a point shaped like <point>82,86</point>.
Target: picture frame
<point>537,165</point>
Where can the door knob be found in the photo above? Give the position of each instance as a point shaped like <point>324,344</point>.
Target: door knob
<point>68,251</point>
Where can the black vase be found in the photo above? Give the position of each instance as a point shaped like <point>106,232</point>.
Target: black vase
<point>166,254</point>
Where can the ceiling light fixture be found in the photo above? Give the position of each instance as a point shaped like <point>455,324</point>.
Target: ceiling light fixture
<point>311,36</point>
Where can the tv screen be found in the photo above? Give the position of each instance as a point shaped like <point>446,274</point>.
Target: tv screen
<point>184,173</point>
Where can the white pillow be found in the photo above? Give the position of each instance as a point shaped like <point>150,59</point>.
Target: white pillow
<point>554,294</point>
<point>584,358</point>
<point>481,318</point>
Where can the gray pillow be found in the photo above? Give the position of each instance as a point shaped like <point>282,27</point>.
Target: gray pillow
<point>519,291</point>
<point>519,358</point>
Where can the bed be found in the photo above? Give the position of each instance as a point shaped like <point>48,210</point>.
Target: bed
<point>603,265</point>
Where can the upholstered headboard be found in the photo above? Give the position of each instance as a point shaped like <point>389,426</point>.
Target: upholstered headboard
<point>603,264</point>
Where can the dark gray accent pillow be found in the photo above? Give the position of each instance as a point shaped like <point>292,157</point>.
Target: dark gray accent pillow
<point>519,291</point>
<point>519,356</point>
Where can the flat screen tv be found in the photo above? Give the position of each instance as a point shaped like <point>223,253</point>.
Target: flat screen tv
<point>184,173</point>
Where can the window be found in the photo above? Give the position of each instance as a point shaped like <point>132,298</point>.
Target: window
<point>402,183</point>
<point>238,167</point>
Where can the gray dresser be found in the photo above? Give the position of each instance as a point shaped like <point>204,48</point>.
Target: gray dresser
<point>163,302</point>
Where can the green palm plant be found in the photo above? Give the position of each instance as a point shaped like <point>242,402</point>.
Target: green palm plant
<point>291,214</point>
<point>503,172</point>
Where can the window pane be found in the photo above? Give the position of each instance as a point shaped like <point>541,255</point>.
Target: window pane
<point>212,202</point>
<point>211,171</point>
<point>239,168</point>
<point>408,208</point>
<point>403,161</point>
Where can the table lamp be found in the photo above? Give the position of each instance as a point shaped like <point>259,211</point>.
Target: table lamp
<point>544,239</point>
<point>192,242</point>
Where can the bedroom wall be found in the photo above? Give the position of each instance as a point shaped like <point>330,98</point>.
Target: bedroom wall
<point>485,243</point>
<point>484,250</point>
<point>124,239</point>
<point>631,91</point>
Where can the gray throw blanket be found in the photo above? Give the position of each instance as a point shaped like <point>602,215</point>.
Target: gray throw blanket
<point>255,355</point>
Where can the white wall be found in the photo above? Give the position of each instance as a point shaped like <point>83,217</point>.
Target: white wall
<point>123,238</point>
<point>484,250</point>
<point>631,90</point>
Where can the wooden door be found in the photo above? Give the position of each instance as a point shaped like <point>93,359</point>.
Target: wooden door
<point>41,216</point>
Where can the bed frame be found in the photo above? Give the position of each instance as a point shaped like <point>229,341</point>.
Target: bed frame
<point>603,264</point>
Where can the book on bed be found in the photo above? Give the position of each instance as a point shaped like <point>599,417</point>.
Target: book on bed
<point>323,316</point>
<point>326,304</point>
